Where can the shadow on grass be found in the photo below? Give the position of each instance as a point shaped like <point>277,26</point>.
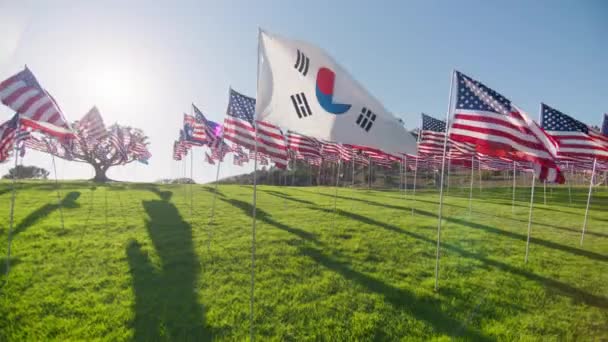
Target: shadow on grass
<point>566,289</point>
<point>425,309</point>
<point>288,197</point>
<point>534,223</point>
<point>166,304</point>
<point>14,262</point>
<point>68,202</point>
<point>212,190</point>
<point>490,229</point>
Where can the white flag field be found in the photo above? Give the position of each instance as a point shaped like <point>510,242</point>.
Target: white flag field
<point>301,88</point>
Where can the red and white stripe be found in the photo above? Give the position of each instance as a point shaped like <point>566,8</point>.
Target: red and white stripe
<point>38,110</point>
<point>580,144</point>
<point>511,134</point>
<point>7,138</point>
<point>270,139</point>
<point>431,142</point>
<point>91,126</point>
<point>303,146</point>
<point>199,133</point>
<point>272,143</point>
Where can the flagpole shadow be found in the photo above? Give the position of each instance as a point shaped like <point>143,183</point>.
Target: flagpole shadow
<point>423,309</point>
<point>166,302</point>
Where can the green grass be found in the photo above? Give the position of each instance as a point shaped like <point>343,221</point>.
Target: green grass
<point>145,269</point>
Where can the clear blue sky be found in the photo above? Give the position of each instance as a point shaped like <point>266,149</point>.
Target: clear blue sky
<point>143,63</point>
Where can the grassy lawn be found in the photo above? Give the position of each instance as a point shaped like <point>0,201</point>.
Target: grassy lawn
<point>132,263</point>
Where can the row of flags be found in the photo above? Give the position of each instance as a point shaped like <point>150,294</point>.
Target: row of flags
<point>39,124</point>
<point>308,107</point>
<point>292,145</point>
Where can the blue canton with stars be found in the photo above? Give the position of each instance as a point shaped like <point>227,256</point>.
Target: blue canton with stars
<point>29,79</point>
<point>473,95</point>
<point>554,120</point>
<point>429,123</point>
<point>241,106</point>
<point>198,115</point>
<point>605,125</point>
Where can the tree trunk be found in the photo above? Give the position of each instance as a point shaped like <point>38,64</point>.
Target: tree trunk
<point>100,173</point>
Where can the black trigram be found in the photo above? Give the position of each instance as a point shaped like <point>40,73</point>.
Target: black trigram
<point>302,63</point>
<point>366,119</point>
<point>301,105</point>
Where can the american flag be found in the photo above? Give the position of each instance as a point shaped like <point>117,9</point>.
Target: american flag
<point>238,160</point>
<point>238,150</point>
<point>209,159</point>
<point>179,150</point>
<point>194,131</point>
<point>303,146</point>
<point>91,126</point>
<point>140,150</point>
<point>238,124</point>
<point>432,136</point>
<point>333,151</point>
<point>239,129</point>
<point>219,152</point>
<point>120,139</point>
<point>605,125</point>
<point>380,158</point>
<point>7,137</point>
<point>315,161</point>
<point>212,129</point>
<point>498,128</point>
<point>22,136</point>
<point>574,138</point>
<point>330,151</point>
<point>38,110</point>
<point>262,158</point>
<point>272,142</point>
<point>37,144</point>
<point>461,149</point>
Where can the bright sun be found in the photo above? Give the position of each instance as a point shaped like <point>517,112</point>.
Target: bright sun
<point>113,85</point>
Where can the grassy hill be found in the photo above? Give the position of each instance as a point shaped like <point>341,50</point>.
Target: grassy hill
<point>133,263</point>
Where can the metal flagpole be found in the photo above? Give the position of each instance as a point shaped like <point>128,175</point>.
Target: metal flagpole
<point>514,185</point>
<point>414,185</point>
<point>336,194</point>
<point>185,164</point>
<point>13,195</point>
<point>253,214</point>
<point>530,218</point>
<point>369,174</point>
<point>253,211</point>
<point>217,177</point>
<point>284,185</point>
<point>191,178</point>
<point>588,200</point>
<point>58,192</point>
<point>480,186</point>
<point>404,176</point>
<point>471,186</point>
<point>319,175</point>
<point>447,190</point>
<point>353,180</point>
<point>401,175</point>
<point>105,193</point>
<point>569,181</point>
<point>309,175</point>
<point>445,147</point>
<point>294,162</point>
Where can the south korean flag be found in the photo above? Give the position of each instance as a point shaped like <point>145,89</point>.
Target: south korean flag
<point>301,88</point>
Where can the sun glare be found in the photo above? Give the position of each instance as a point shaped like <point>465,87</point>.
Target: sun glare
<point>113,85</point>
